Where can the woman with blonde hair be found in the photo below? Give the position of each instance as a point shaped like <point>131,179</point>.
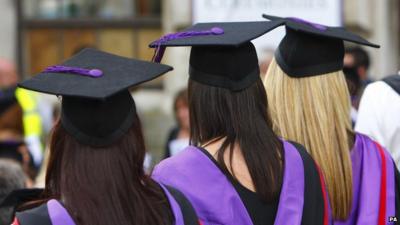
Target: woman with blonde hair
<point>310,104</point>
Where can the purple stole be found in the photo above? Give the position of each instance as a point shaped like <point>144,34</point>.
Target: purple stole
<point>176,210</point>
<point>367,174</point>
<point>214,198</point>
<point>59,215</point>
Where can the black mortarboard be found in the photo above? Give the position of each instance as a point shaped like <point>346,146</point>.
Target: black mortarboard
<point>222,54</point>
<point>310,49</point>
<point>97,108</point>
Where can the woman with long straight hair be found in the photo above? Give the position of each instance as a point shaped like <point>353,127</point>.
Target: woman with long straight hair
<point>237,170</point>
<point>95,173</point>
<point>310,104</point>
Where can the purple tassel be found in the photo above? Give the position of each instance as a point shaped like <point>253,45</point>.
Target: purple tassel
<point>74,70</point>
<point>159,51</point>
<point>315,25</point>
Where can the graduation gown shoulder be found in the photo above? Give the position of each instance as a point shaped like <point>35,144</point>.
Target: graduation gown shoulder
<point>54,213</point>
<point>303,199</point>
<point>375,185</point>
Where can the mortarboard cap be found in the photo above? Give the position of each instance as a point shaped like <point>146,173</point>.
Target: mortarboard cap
<point>97,107</point>
<point>310,49</point>
<point>222,54</point>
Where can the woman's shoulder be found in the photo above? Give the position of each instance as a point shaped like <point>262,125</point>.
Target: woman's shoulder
<point>49,213</point>
<point>180,205</point>
<point>365,143</point>
<point>179,162</point>
<point>311,169</point>
<point>301,150</point>
<point>316,201</point>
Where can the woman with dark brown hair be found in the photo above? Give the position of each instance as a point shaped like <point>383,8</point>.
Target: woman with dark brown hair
<point>95,174</point>
<point>238,171</point>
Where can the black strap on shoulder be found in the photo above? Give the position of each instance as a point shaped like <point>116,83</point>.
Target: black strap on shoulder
<point>38,215</point>
<point>394,82</point>
<point>188,212</point>
<point>313,210</point>
<point>20,196</point>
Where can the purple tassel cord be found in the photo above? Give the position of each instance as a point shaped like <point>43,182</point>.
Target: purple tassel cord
<point>159,51</point>
<point>315,25</point>
<point>74,70</point>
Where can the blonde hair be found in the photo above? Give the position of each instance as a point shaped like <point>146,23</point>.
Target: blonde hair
<point>314,111</point>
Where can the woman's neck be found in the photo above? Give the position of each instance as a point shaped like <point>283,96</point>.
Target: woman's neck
<point>238,167</point>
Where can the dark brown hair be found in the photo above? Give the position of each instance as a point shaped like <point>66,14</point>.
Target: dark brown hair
<point>240,117</point>
<point>105,185</point>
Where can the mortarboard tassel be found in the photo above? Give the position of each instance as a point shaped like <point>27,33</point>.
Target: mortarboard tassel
<point>74,70</point>
<point>159,51</point>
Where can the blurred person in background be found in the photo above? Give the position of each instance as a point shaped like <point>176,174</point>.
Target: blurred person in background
<point>27,101</point>
<point>379,114</point>
<point>178,137</point>
<point>357,60</point>
<point>40,180</point>
<point>354,85</point>
<point>11,178</point>
<point>17,152</point>
<point>12,145</point>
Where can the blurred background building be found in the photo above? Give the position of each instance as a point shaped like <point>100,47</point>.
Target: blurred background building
<point>38,33</point>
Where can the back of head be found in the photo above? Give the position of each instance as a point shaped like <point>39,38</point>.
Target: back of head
<point>214,65</point>
<point>97,148</point>
<point>227,101</point>
<point>314,111</point>
<point>101,185</point>
<point>11,178</point>
<point>241,118</point>
<point>310,102</point>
